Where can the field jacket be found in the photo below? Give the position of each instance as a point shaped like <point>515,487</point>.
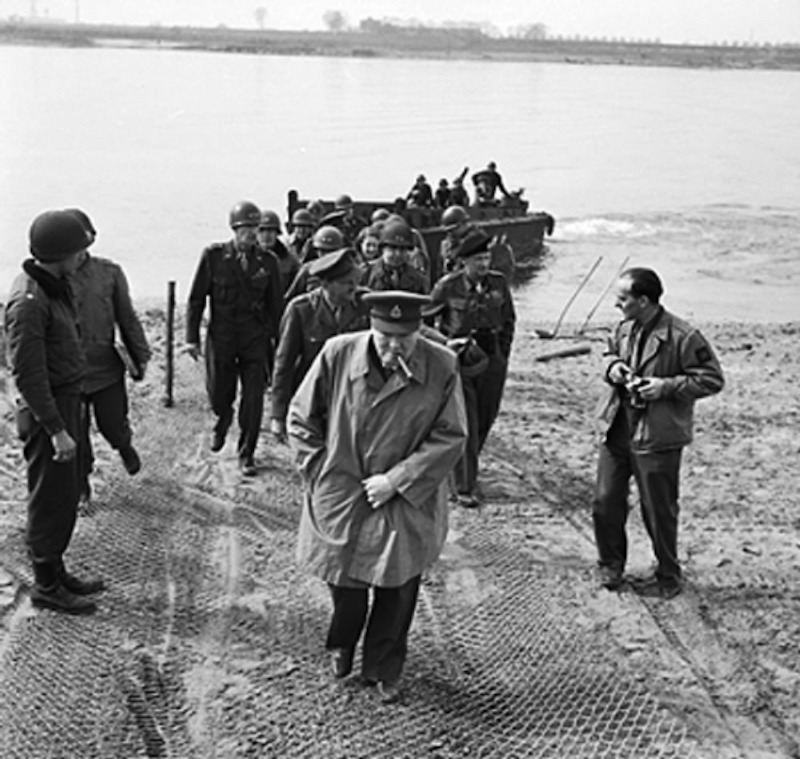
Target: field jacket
<point>44,344</point>
<point>104,306</point>
<point>346,424</point>
<point>484,310</point>
<point>306,325</point>
<point>245,306</point>
<point>676,352</point>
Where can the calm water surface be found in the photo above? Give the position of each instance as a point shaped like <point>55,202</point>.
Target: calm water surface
<point>696,173</point>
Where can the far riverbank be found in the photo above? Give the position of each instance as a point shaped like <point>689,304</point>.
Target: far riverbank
<point>399,42</point>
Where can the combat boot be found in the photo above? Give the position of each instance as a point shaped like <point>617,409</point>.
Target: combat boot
<point>57,598</point>
<point>81,587</point>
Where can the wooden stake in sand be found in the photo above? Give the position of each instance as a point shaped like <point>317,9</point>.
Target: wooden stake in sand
<point>168,399</point>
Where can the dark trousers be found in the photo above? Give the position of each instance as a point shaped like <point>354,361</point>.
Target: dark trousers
<point>110,408</point>
<point>657,477</point>
<point>52,493</point>
<point>224,369</point>
<point>482,396</point>
<point>387,625</point>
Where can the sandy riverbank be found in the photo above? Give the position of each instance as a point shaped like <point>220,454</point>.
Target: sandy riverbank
<point>722,657</point>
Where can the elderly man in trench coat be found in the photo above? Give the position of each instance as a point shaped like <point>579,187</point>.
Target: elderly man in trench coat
<point>377,424</point>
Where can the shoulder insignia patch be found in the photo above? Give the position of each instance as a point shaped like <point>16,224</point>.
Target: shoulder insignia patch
<point>703,354</point>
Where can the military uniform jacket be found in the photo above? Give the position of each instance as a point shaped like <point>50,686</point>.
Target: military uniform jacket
<point>104,303</point>
<point>676,352</point>
<point>407,277</point>
<point>245,306</point>
<point>44,344</point>
<point>307,323</point>
<point>485,308</point>
<point>346,424</point>
<point>288,263</point>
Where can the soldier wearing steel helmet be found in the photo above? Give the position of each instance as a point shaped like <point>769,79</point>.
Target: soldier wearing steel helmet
<point>48,366</point>
<point>269,230</point>
<point>301,229</point>
<point>325,240</point>
<point>393,270</point>
<point>345,218</point>
<point>242,284</point>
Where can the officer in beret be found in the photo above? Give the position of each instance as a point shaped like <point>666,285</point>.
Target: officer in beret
<point>334,307</point>
<point>377,425</point>
<point>656,367</point>
<point>242,282</point>
<point>478,316</point>
<point>48,365</point>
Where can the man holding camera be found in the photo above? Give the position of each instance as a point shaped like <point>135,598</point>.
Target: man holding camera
<point>657,366</point>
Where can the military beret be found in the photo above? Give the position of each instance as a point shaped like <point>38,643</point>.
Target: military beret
<point>396,312</point>
<point>334,265</point>
<point>476,241</point>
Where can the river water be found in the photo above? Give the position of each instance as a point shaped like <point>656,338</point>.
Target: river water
<point>693,172</point>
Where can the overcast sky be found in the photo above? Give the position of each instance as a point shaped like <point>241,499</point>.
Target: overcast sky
<point>667,20</point>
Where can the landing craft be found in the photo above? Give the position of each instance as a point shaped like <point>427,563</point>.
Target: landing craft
<point>525,231</point>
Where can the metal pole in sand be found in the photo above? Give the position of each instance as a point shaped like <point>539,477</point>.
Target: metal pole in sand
<point>168,399</point>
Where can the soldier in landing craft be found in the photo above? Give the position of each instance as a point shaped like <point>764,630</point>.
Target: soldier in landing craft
<point>243,286</point>
<point>477,314</point>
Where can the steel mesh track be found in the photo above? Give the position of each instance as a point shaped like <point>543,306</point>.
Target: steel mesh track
<point>209,644</point>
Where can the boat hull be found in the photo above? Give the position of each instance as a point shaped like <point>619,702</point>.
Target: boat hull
<point>524,231</point>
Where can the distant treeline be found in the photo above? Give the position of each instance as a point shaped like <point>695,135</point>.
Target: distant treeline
<point>382,39</point>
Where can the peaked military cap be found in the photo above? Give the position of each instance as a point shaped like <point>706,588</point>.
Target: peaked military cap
<point>476,241</point>
<point>333,265</point>
<point>396,312</point>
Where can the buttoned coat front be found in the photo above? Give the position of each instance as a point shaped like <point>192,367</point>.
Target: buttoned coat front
<point>347,424</point>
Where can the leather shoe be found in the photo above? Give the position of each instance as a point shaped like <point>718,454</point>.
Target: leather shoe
<point>248,466</point>
<point>388,693</point>
<point>611,579</point>
<point>341,662</point>
<point>81,587</point>
<point>58,598</point>
<point>663,590</point>
<point>131,460</point>
<point>468,500</point>
<point>217,442</point>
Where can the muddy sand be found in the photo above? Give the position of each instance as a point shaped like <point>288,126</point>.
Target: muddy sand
<point>721,660</point>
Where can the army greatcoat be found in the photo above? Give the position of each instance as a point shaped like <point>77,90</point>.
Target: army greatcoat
<point>346,424</point>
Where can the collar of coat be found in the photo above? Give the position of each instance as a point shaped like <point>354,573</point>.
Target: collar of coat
<point>55,287</point>
<point>659,333</point>
<point>417,366</point>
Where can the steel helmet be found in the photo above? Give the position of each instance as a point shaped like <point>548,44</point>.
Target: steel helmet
<point>244,214</point>
<point>84,219</point>
<point>56,235</point>
<point>380,214</point>
<point>343,201</point>
<point>270,220</point>
<point>302,218</point>
<point>453,216</point>
<point>398,234</point>
<point>327,239</point>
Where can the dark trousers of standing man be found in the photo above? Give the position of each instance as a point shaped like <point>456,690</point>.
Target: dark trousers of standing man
<point>52,493</point>
<point>482,396</point>
<point>110,407</point>
<point>228,364</point>
<point>657,477</point>
<point>386,637</point>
